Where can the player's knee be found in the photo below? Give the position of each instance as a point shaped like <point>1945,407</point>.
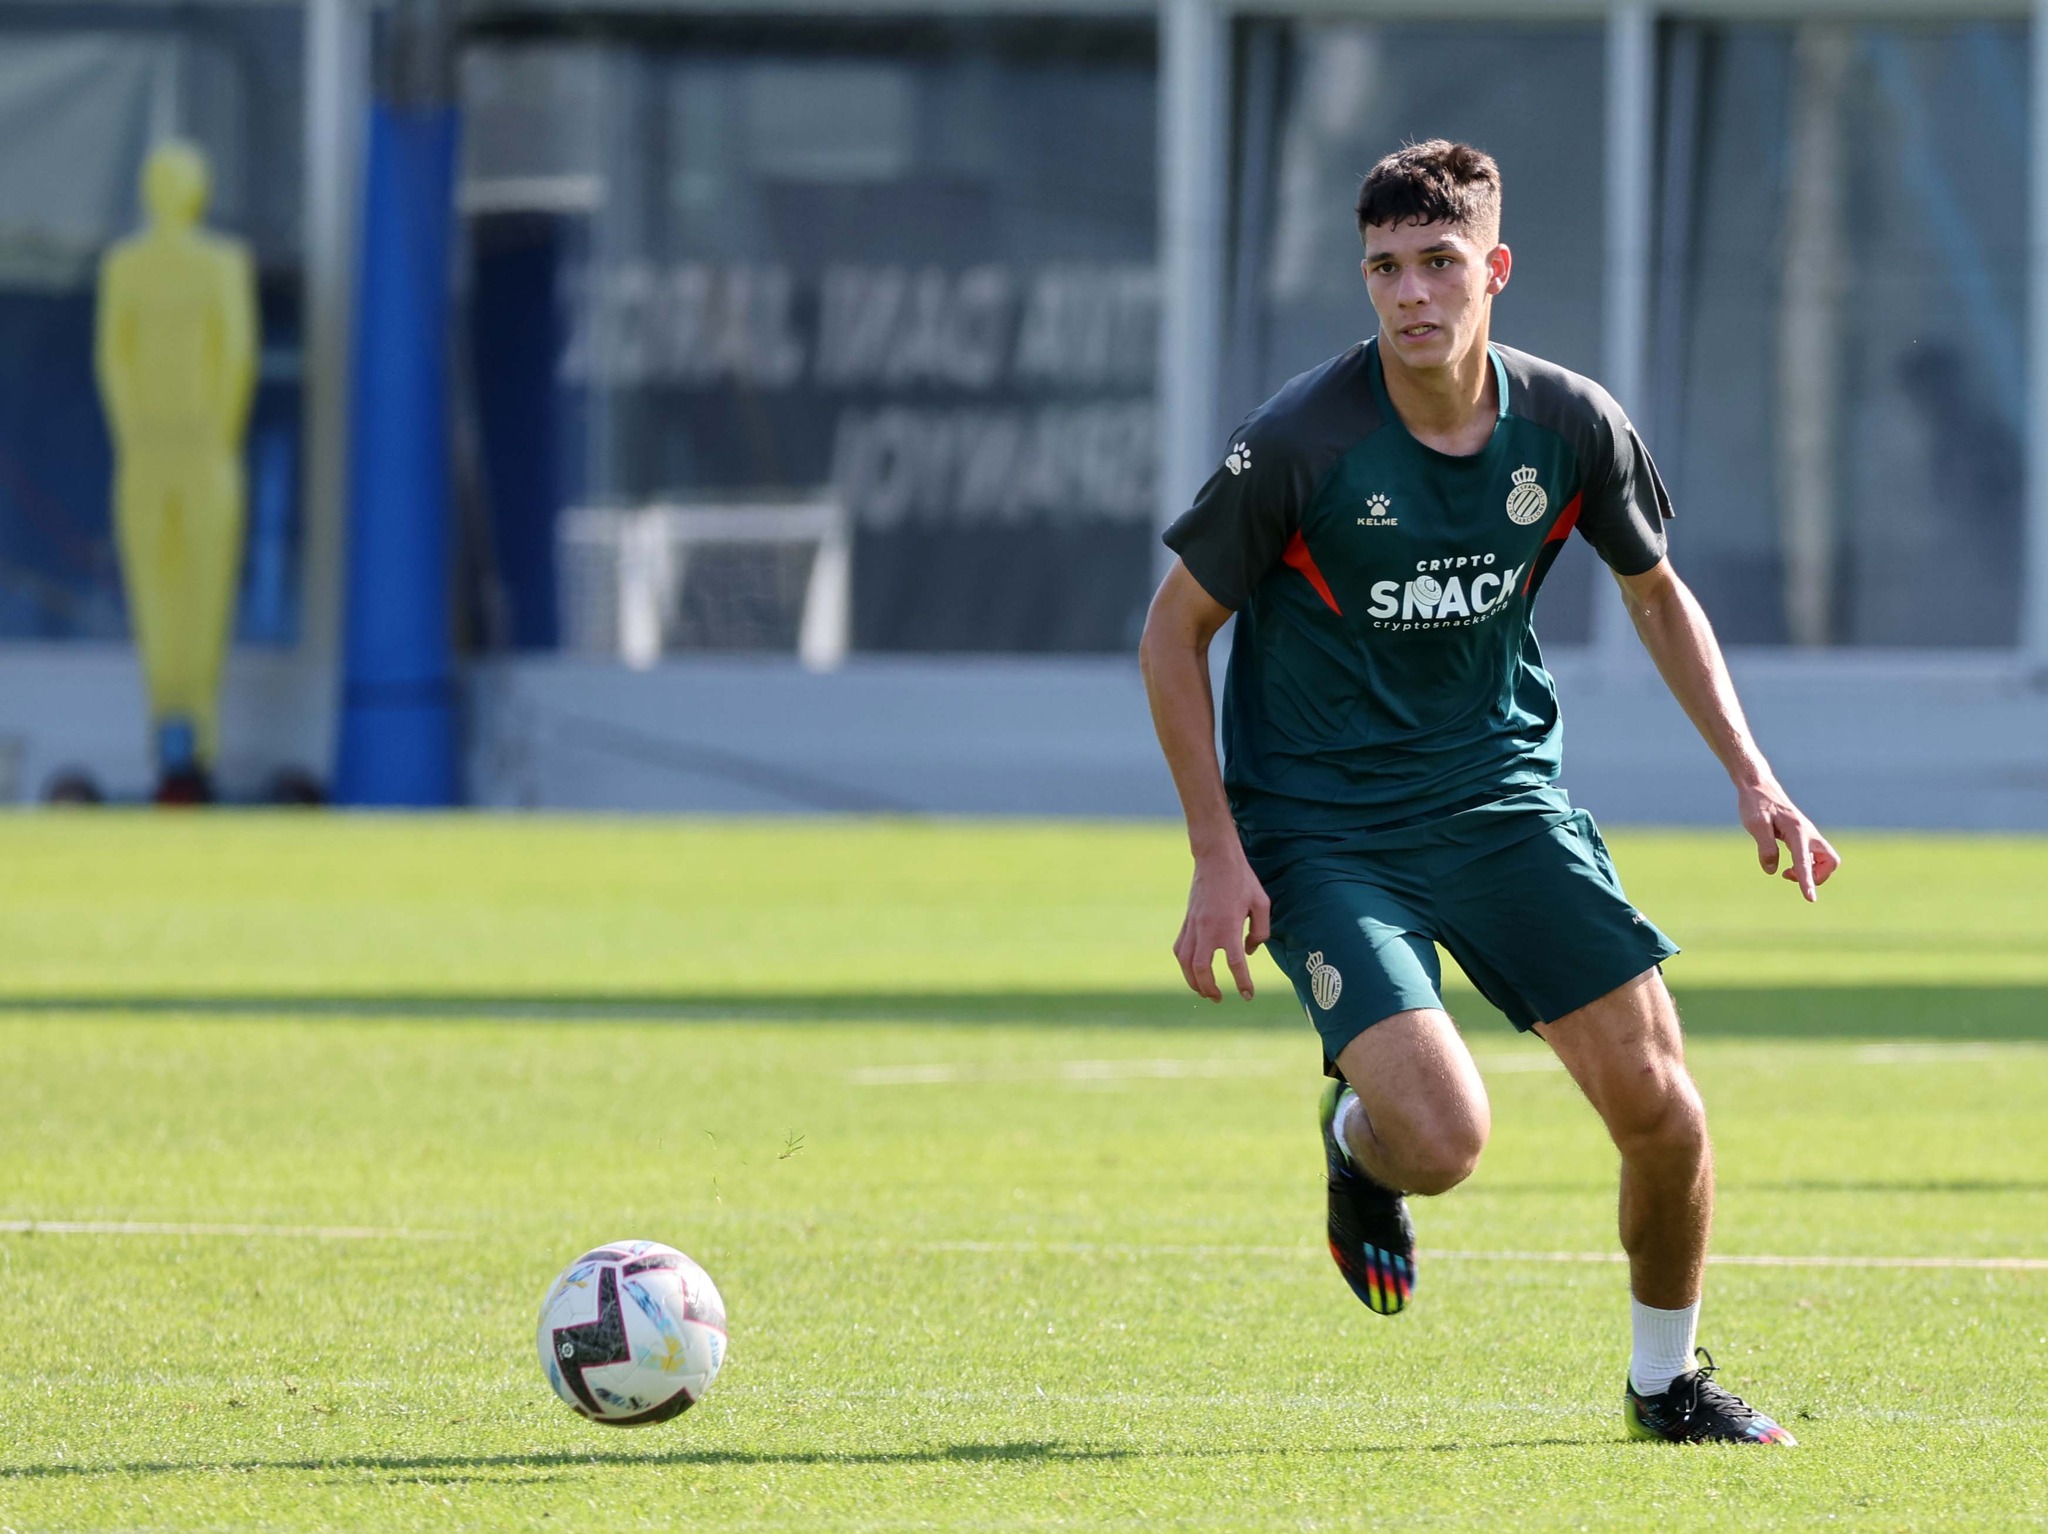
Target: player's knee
<point>1440,1171</point>
<point>1446,1156</point>
<point>1661,1115</point>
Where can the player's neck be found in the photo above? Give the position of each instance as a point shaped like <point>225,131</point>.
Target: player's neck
<point>1450,408</point>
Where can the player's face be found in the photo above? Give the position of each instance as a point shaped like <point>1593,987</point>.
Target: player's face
<point>1432,286</point>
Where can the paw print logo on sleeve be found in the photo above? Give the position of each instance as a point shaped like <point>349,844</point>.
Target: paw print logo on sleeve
<point>1240,459</point>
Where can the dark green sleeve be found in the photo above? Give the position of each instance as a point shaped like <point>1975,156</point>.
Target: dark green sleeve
<point>1625,506</point>
<point>1240,523</point>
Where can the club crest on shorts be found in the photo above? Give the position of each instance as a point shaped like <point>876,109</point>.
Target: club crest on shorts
<point>1324,983</point>
<point>1527,501</point>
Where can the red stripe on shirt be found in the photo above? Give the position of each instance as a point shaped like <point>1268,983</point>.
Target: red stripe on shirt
<point>1298,556</point>
<point>1563,530</point>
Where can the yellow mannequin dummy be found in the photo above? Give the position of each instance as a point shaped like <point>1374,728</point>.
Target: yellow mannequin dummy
<point>176,358</point>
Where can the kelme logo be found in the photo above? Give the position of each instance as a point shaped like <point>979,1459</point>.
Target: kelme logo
<point>1379,512</point>
<point>1239,460</point>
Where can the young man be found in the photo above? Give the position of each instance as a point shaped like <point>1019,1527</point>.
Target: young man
<point>1381,527</point>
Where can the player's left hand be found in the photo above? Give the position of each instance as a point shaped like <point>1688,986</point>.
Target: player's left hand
<point>1769,815</point>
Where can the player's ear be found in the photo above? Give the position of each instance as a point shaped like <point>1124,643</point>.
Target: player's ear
<point>1500,262</point>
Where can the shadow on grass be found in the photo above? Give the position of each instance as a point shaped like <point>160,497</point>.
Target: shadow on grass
<point>445,1467</point>
<point>1941,1013</point>
<point>1036,1451</point>
<point>1944,1013</point>
<point>1272,1008</point>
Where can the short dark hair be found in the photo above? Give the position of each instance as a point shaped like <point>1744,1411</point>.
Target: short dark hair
<point>1434,182</point>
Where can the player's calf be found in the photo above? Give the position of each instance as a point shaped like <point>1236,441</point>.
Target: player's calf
<point>1371,1238</point>
<point>1627,1055</point>
<point>1416,1124</point>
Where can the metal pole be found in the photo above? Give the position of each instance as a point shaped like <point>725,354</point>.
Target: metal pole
<point>2034,593</point>
<point>398,727</point>
<point>1809,331</point>
<point>336,63</point>
<point>1191,193</point>
<point>1624,331</point>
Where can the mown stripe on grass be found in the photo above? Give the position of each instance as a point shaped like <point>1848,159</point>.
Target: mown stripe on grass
<point>1730,1260</point>
<point>938,1074</point>
<point>1035,1248</point>
<point>969,1073</point>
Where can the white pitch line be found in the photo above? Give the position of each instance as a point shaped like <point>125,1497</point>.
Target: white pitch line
<point>955,1074</point>
<point>1938,1054</point>
<point>1732,1260</point>
<point>1110,1249</point>
<point>1060,1070</point>
<point>161,1228</point>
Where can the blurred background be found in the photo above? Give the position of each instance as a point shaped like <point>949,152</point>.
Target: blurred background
<point>752,407</point>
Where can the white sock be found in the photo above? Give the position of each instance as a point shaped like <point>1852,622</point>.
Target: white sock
<point>1663,1345</point>
<point>1340,1126</point>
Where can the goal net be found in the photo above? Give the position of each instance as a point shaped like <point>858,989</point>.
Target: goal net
<point>638,583</point>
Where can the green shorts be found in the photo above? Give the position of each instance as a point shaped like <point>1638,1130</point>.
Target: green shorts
<point>1526,901</point>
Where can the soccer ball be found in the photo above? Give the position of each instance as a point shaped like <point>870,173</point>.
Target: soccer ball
<point>632,1332</point>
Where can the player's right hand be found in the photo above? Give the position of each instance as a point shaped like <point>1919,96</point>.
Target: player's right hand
<point>1227,909</point>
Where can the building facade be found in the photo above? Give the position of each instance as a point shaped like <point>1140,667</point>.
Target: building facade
<point>824,374</point>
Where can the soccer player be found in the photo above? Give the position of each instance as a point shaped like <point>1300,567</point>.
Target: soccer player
<point>1380,528</point>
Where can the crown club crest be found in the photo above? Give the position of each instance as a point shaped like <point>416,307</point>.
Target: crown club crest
<point>1324,981</point>
<point>1527,501</point>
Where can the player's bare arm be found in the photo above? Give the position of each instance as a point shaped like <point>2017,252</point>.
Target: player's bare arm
<point>1675,630</point>
<point>1227,907</point>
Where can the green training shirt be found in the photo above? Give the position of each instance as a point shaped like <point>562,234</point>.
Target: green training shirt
<point>1384,670</point>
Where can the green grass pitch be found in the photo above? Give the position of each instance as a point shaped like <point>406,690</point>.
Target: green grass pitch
<point>1014,1233</point>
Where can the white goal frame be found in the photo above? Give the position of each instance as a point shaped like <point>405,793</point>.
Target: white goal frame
<point>648,550</point>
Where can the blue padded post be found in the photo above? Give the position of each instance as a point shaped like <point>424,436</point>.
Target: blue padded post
<point>397,739</point>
